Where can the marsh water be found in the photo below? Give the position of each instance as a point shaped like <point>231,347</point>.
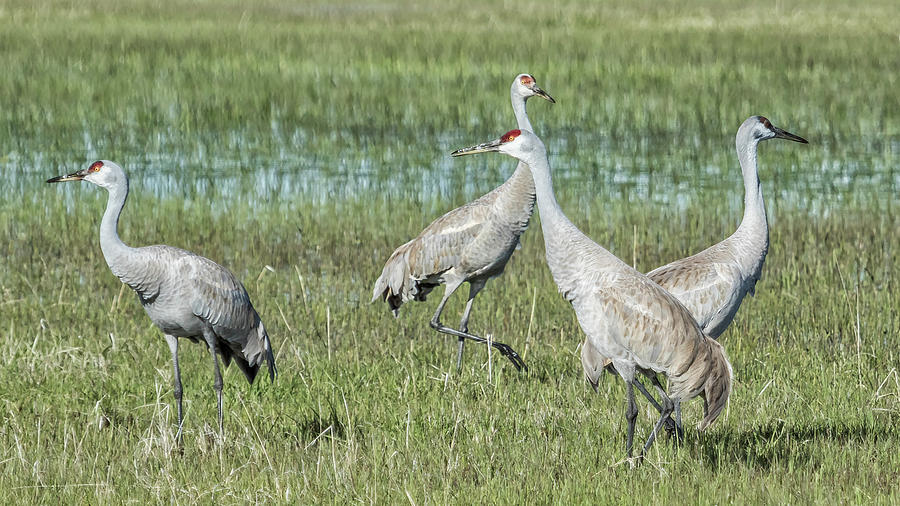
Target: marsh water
<point>665,170</point>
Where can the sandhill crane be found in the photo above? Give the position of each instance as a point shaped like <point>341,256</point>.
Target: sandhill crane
<point>625,315</point>
<point>184,294</point>
<point>712,283</point>
<point>470,244</point>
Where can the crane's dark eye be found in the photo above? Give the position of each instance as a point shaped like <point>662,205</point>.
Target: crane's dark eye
<point>96,166</point>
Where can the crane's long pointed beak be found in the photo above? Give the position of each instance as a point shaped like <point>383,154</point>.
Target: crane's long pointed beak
<point>75,176</point>
<point>781,134</point>
<point>543,94</point>
<point>484,147</point>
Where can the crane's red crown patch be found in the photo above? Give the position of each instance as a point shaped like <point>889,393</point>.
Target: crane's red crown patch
<point>510,136</point>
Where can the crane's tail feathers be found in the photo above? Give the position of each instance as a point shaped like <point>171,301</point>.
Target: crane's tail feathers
<point>228,353</point>
<point>261,351</point>
<point>396,284</point>
<point>385,293</point>
<point>270,354</point>
<point>257,349</point>
<point>245,367</point>
<point>593,363</point>
<point>717,387</point>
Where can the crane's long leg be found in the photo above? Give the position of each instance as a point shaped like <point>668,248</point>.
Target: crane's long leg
<point>668,407</point>
<point>678,417</point>
<point>173,347</point>
<point>474,288</point>
<point>438,326</point>
<point>648,395</point>
<point>631,412</point>
<point>217,383</point>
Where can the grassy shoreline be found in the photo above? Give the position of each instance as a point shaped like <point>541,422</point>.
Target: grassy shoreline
<point>367,402</point>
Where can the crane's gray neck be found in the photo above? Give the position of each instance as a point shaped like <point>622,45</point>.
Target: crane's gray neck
<point>567,250</point>
<point>754,207</point>
<point>516,201</point>
<point>553,220</point>
<point>521,178</point>
<point>114,250</point>
<point>518,105</point>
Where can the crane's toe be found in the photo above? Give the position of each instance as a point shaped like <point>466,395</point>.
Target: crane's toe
<point>511,355</point>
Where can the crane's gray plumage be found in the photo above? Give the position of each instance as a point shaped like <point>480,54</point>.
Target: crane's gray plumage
<point>713,283</point>
<point>625,315</point>
<point>184,294</point>
<point>471,243</point>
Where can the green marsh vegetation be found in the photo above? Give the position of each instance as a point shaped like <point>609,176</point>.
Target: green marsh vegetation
<point>298,144</point>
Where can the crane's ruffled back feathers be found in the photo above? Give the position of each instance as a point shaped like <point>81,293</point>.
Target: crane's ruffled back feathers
<point>706,283</point>
<point>664,337</point>
<point>628,317</point>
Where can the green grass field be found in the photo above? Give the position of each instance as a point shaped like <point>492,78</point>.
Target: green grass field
<point>299,143</point>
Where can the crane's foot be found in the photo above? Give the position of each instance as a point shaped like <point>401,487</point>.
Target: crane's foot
<point>179,435</point>
<point>674,431</point>
<point>177,450</point>
<point>179,439</point>
<point>504,349</point>
<point>671,428</point>
<point>511,354</point>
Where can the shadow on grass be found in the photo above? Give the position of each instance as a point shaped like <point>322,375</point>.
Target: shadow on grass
<point>314,425</point>
<point>782,441</point>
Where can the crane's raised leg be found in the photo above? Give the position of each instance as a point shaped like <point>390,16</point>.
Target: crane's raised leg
<point>173,347</point>
<point>211,341</point>
<point>474,288</point>
<point>631,412</point>
<point>436,324</point>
